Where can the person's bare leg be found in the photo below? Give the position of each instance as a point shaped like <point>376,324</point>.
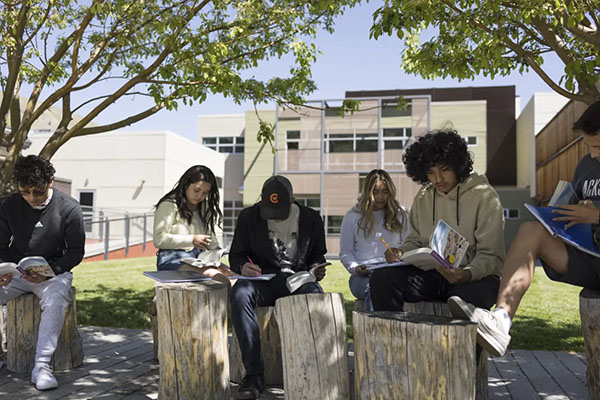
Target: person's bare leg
<point>531,242</point>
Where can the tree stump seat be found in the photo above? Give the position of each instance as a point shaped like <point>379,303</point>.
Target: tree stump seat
<point>399,355</point>
<point>314,346</point>
<point>440,308</point>
<point>589,311</point>
<point>192,340</point>
<point>22,324</point>
<point>270,345</point>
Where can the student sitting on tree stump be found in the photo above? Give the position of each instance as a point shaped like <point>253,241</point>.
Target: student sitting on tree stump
<point>40,221</point>
<point>276,236</point>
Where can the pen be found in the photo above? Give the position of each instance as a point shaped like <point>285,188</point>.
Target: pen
<point>252,262</point>
<point>386,245</point>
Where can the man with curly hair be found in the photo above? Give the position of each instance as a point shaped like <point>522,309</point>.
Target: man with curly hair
<point>465,201</point>
<point>561,262</point>
<point>41,221</point>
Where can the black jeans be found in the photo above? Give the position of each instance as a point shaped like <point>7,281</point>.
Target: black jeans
<point>392,286</point>
<point>245,297</point>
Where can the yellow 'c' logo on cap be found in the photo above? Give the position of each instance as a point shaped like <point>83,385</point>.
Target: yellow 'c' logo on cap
<point>274,197</point>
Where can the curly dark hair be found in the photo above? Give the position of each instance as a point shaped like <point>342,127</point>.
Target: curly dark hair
<point>33,171</point>
<point>444,146</point>
<point>589,122</point>
<point>209,211</point>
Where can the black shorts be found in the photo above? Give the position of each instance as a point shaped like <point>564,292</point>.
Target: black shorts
<point>583,269</point>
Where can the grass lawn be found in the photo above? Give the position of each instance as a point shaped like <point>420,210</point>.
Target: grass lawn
<point>116,294</point>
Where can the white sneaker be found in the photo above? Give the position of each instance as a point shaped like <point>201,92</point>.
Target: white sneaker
<point>491,334</point>
<point>42,378</point>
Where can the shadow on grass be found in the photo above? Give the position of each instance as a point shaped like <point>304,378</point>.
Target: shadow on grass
<point>533,333</point>
<point>114,307</point>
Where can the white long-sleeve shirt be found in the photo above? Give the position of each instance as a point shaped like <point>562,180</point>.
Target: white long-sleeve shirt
<point>356,249</point>
<point>172,232</point>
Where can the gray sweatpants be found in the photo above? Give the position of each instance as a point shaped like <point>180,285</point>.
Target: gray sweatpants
<point>54,299</point>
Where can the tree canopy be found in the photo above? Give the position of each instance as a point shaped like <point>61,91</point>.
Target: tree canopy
<point>462,39</point>
<point>84,56</point>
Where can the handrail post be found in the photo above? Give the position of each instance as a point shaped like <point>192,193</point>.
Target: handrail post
<point>126,234</point>
<point>144,235</point>
<point>106,236</point>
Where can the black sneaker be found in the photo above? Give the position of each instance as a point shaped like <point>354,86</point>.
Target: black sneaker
<point>252,386</point>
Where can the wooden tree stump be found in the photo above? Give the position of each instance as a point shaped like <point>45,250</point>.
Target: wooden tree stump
<point>22,324</point>
<point>192,340</point>
<point>314,349</point>
<point>441,310</point>
<point>589,311</point>
<point>270,345</point>
<point>154,323</point>
<point>412,356</point>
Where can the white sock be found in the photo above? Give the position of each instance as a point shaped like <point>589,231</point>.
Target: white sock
<point>504,318</point>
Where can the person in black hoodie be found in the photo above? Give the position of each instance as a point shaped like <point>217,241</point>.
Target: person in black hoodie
<point>41,221</point>
<point>275,236</point>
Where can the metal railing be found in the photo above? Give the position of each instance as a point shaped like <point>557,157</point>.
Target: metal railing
<point>106,233</point>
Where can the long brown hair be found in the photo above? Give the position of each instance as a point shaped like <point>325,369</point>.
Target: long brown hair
<point>394,216</point>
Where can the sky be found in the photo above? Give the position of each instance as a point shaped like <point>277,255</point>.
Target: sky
<point>349,61</point>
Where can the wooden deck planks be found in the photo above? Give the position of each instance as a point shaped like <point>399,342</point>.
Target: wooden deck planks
<point>118,364</point>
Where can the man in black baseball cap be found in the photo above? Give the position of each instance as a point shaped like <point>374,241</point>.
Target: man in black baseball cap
<point>274,236</point>
<point>276,199</point>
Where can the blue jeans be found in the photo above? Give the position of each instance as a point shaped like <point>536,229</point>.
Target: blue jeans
<point>246,296</point>
<point>170,260</point>
<point>359,286</point>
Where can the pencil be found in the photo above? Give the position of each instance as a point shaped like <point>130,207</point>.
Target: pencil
<point>386,245</point>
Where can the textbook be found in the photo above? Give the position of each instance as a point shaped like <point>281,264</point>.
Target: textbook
<point>37,264</point>
<point>447,248</point>
<point>300,278</point>
<point>176,276</point>
<point>579,235</point>
<point>206,258</point>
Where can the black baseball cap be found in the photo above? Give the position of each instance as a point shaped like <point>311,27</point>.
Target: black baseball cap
<point>277,196</point>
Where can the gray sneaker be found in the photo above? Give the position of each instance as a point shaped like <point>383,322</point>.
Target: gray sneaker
<point>491,334</point>
<point>42,378</point>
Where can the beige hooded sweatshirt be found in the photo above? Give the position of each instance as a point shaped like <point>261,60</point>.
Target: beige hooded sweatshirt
<point>473,208</point>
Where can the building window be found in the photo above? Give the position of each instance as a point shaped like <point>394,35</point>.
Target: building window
<point>396,138</point>
<point>292,140</point>
<point>225,144</point>
<point>351,142</point>
<point>334,224</point>
<point>511,213</point>
<point>471,140</point>
<point>310,200</point>
<point>231,210</point>
<point>390,109</point>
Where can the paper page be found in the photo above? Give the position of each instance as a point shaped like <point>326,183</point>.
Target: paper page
<point>563,194</point>
<point>263,277</point>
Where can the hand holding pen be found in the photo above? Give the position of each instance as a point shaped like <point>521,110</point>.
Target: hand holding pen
<point>391,255</point>
<point>250,269</point>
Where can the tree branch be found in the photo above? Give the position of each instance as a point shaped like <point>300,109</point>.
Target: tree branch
<point>123,123</point>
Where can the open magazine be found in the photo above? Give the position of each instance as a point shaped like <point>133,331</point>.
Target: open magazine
<point>447,248</point>
<point>206,258</point>
<point>579,235</point>
<point>300,278</point>
<point>36,264</point>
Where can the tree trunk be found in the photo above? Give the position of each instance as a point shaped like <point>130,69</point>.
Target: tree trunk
<point>23,320</point>
<point>270,346</point>
<point>441,310</point>
<point>192,344</point>
<point>589,311</point>
<point>314,348</point>
<point>411,356</point>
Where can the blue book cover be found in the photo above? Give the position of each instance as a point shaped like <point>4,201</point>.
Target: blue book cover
<point>579,235</point>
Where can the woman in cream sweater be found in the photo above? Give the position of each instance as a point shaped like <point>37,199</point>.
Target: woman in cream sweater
<point>185,220</point>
